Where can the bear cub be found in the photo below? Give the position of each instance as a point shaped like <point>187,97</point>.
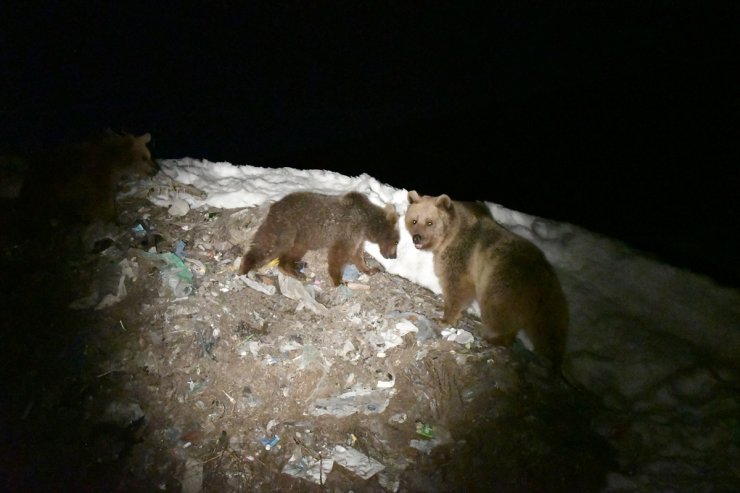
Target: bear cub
<point>476,259</point>
<point>303,221</point>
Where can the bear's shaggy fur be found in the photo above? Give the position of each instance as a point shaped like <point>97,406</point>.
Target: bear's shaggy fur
<point>303,221</point>
<point>77,183</point>
<point>476,259</point>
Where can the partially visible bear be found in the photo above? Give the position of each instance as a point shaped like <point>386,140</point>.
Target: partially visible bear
<point>77,183</point>
<point>475,258</point>
<point>303,221</point>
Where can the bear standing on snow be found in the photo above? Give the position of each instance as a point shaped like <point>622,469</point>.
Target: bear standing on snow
<point>475,258</point>
<point>303,221</point>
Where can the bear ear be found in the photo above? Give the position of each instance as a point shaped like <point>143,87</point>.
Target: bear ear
<point>146,138</point>
<point>413,197</point>
<point>444,202</point>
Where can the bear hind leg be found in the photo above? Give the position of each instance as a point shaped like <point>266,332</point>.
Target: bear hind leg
<point>337,257</point>
<point>498,328</point>
<point>548,341</point>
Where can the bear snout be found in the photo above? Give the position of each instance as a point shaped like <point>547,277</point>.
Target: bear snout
<point>389,253</point>
<point>153,168</point>
<point>417,240</point>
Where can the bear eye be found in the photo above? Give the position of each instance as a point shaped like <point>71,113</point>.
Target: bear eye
<point>414,221</point>
<point>429,223</point>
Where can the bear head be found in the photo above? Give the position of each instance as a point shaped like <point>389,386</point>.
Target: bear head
<point>133,155</point>
<point>428,219</point>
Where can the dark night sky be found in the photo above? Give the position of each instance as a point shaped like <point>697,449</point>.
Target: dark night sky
<point>624,120</point>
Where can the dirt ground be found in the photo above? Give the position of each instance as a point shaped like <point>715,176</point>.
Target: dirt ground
<point>121,373</point>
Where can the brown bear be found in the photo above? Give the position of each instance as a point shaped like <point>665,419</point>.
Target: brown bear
<point>476,259</point>
<point>303,221</point>
<point>77,183</point>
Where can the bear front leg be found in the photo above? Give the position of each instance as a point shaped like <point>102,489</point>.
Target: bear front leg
<point>358,258</point>
<point>457,297</point>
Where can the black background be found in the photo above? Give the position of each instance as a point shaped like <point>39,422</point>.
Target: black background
<point>622,117</point>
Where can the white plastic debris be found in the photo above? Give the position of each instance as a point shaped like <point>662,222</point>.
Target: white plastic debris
<point>295,290</point>
<point>347,348</point>
<point>178,208</point>
<point>365,401</point>
<point>196,266</point>
<point>307,467</point>
<point>460,336</point>
<point>355,461</point>
<point>122,413</point>
<point>386,384</point>
<point>192,478</point>
<point>392,337</point>
<point>357,286</point>
<point>258,286</point>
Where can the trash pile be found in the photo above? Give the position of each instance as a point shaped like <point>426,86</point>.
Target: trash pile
<point>193,378</point>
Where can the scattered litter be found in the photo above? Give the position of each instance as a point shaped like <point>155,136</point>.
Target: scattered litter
<point>350,273</point>
<point>433,437</point>
<point>258,286</point>
<point>423,325</point>
<point>270,442</point>
<point>460,336</point>
<point>122,413</point>
<point>342,294</point>
<point>192,477</point>
<point>292,288</point>
<point>207,343</point>
<point>355,461</point>
<point>85,302</point>
<point>175,274</point>
<point>145,234</point>
<point>424,430</point>
<point>351,439</point>
<point>180,248</point>
<point>392,337</point>
<point>386,384</point>
<point>364,401</point>
<point>424,446</point>
<point>111,287</point>
<point>308,468</point>
<point>389,480</point>
<point>289,346</point>
<point>139,230</point>
<point>178,208</point>
<point>196,266</point>
<point>347,347</point>
<point>127,270</point>
<point>356,286</point>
